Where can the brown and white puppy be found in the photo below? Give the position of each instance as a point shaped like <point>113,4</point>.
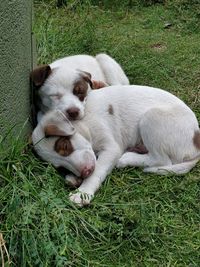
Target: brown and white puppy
<point>65,83</point>
<point>56,141</point>
<point>116,118</point>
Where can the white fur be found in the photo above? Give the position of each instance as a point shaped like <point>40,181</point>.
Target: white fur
<point>57,90</point>
<point>119,117</point>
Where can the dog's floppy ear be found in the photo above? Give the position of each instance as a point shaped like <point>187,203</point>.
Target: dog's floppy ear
<point>53,130</point>
<point>40,74</point>
<point>93,83</point>
<point>57,125</point>
<point>86,76</point>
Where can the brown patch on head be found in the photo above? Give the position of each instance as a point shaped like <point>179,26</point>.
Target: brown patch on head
<point>86,76</point>
<point>196,139</point>
<point>53,130</point>
<point>110,110</point>
<point>40,74</point>
<point>80,88</point>
<point>63,146</point>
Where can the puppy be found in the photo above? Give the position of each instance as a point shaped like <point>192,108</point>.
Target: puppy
<point>65,84</point>
<point>116,118</point>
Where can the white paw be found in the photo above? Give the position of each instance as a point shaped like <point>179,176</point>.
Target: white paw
<point>80,198</point>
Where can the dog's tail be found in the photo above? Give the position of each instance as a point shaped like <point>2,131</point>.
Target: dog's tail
<point>113,72</point>
<point>180,168</point>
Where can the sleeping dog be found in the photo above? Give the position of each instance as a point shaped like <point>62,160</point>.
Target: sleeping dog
<point>65,83</point>
<point>116,118</point>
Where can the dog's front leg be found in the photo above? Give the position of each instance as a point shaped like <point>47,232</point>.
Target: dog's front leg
<point>107,160</point>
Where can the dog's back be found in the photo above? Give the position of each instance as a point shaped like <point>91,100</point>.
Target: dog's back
<point>128,102</point>
<point>120,109</point>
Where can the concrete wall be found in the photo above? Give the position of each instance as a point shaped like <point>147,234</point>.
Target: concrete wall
<point>16,61</point>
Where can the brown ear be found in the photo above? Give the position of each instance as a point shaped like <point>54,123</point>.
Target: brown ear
<point>53,130</point>
<point>87,77</point>
<point>40,74</point>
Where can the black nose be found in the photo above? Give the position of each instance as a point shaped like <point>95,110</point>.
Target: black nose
<point>73,113</point>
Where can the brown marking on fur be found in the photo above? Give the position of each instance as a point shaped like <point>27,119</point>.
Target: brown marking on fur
<point>110,110</point>
<point>98,84</point>
<point>53,130</point>
<point>196,139</point>
<point>63,146</point>
<point>139,148</point>
<point>86,76</point>
<point>40,74</point>
<point>80,89</point>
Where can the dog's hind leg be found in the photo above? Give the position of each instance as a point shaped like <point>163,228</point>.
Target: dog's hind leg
<point>113,72</point>
<point>156,129</point>
<point>179,169</point>
<point>141,160</point>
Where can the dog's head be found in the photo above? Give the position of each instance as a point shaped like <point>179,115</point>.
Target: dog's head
<point>62,88</point>
<point>57,141</point>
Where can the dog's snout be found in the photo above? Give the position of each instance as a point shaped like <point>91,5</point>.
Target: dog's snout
<point>73,113</point>
<point>87,171</point>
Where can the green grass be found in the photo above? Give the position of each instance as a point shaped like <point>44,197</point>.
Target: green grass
<point>136,219</point>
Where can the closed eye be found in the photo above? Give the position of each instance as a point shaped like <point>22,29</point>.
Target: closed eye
<point>56,96</point>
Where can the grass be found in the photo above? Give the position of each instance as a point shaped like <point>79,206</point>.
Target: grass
<point>136,219</point>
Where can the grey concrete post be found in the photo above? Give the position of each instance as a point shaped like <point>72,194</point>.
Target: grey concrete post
<point>16,61</point>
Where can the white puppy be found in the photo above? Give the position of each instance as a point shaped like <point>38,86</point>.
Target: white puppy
<point>117,118</point>
<point>65,83</point>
